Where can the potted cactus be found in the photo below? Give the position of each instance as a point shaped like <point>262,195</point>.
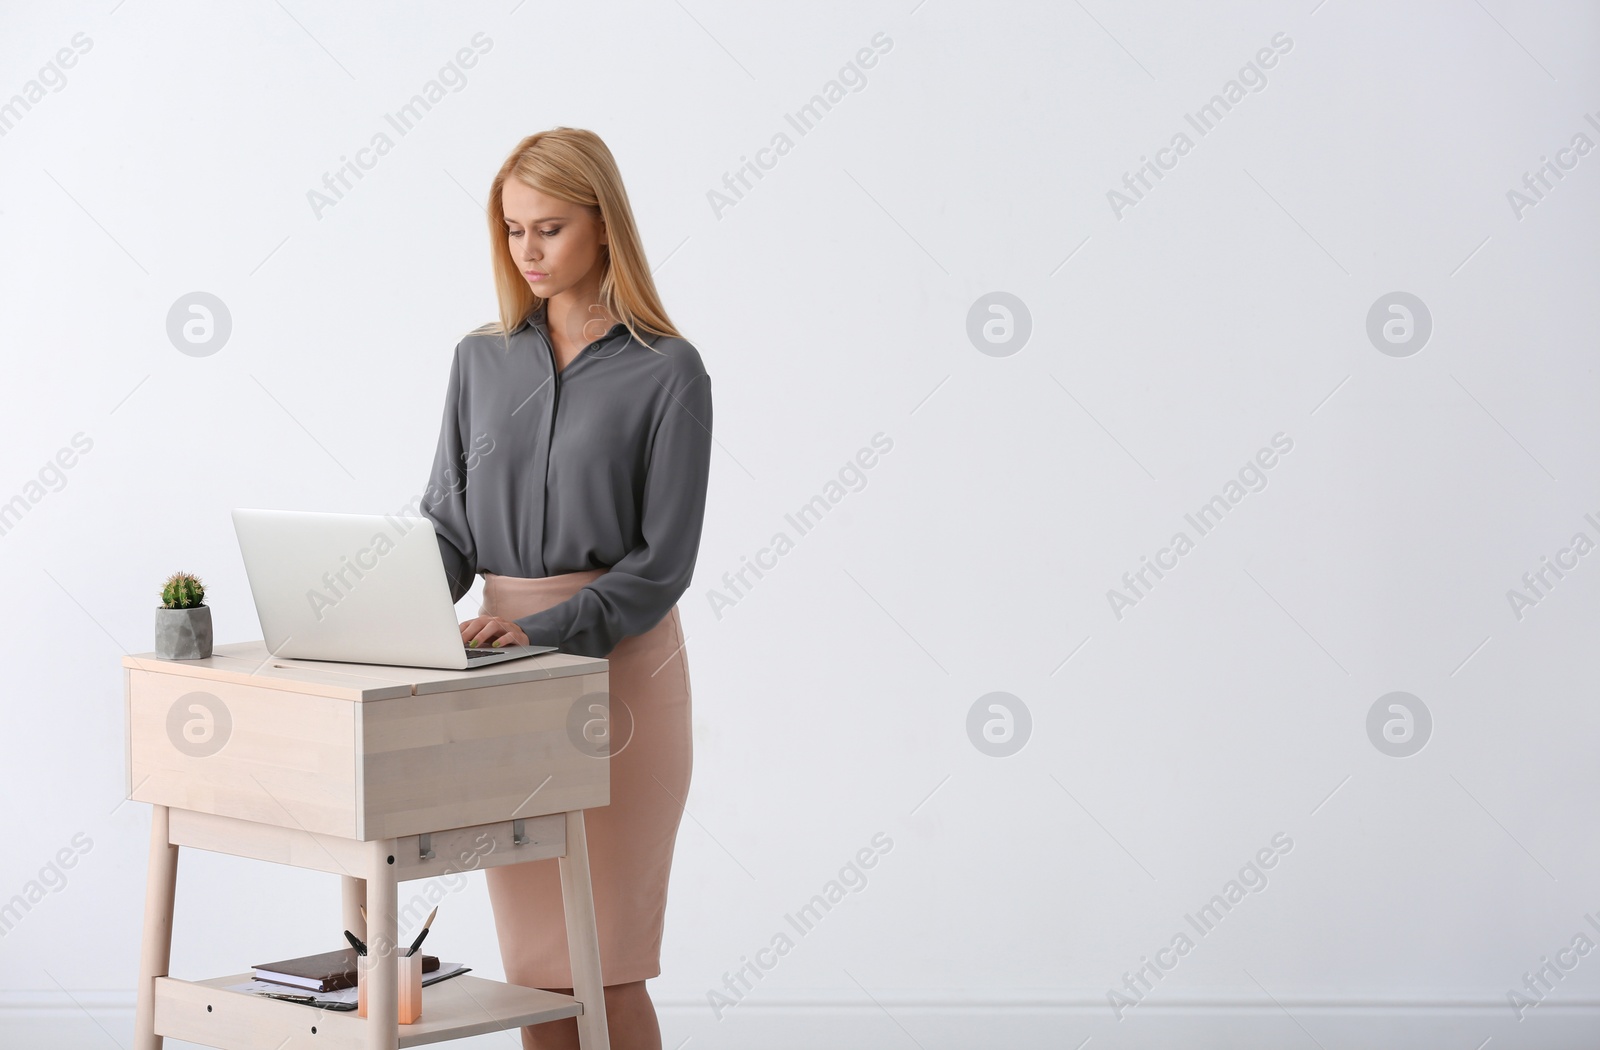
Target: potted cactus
<point>183,621</point>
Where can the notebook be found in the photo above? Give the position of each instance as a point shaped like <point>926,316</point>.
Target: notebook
<point>327,972</point>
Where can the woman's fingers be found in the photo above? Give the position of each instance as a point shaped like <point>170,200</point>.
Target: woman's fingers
<point>488,631</point>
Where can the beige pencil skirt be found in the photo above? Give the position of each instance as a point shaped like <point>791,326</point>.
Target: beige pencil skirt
<point>630,840</point>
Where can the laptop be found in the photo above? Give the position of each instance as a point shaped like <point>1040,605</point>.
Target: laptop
<point>356,588</point>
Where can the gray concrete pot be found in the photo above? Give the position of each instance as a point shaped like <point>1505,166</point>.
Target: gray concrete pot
<point>183,634</point>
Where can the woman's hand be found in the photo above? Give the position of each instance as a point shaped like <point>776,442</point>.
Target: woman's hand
<point>492,631</point>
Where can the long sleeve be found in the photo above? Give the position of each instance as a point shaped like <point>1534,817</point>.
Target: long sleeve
<point>641,587</point>
<point>444,502</point>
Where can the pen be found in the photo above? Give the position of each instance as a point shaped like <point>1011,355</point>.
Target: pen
<point>290,998</point>
<point>418,942</point>
<point>361,949</point>
<point>310,1000</point>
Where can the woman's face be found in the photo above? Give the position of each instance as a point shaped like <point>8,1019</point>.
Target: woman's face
<point>556,244</point>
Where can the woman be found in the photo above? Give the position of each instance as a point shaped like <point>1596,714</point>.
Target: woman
<point>584,517</point>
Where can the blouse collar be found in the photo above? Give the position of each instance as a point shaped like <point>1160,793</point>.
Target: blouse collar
<point>538,318</point>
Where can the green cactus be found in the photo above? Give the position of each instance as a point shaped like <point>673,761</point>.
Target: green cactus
<point>182,591</point>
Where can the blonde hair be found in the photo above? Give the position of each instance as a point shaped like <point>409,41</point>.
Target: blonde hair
<point>574,165</point>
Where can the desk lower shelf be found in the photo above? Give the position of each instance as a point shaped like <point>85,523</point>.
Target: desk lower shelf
<point>203,1012</point>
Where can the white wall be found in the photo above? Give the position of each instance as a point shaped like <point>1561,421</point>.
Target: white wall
<point>1172,338</point>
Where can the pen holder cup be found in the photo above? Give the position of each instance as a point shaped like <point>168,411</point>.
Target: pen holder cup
<point>409,969</point>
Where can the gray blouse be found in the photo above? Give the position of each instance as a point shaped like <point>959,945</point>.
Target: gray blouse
<point>603,464</point>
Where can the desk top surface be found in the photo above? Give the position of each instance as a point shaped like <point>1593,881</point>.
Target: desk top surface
<point>249,663</point>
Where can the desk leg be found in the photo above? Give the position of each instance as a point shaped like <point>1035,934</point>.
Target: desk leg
<point>583,942</point>
<point>160,891</point>
<point>383,987</point>
<point>353,892</point>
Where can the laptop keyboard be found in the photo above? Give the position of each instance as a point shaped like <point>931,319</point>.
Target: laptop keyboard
<point>479,653</point>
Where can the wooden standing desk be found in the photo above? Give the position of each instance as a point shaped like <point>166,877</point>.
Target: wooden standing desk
<point>379,775</point>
